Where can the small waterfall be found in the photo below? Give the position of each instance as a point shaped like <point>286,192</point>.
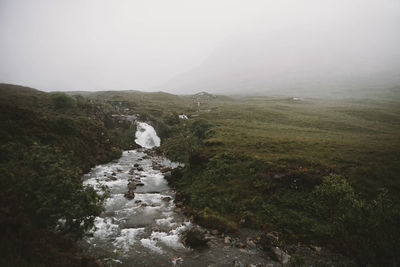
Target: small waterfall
<point>146,136</point>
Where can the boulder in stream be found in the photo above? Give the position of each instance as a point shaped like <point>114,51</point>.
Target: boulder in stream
<point>194,237</point>
<point>129,195</point>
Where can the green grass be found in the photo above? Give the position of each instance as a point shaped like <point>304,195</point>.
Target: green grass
<point>263,156</point>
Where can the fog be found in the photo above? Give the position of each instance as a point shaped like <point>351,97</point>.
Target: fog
<point>185,46</point>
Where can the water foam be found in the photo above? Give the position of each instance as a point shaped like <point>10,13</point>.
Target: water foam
<point>146,136</point>
<point>127,238</point>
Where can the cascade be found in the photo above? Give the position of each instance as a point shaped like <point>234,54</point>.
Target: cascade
<point>146,136</point>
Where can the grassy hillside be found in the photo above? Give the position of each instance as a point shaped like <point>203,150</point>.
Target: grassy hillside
<point>48,140</point>
<point>256,161</point>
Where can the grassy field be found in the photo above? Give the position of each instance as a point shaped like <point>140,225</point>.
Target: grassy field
<point>256,162</point>
<point>357,138</point>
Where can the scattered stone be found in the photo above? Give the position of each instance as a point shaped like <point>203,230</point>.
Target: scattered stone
<point>279,176</point>
<point>136,165</point>
<point>166,199</point>
<point>140,169</point>
<point>280,255</point>
<point>112,178</point>
<point>240,245</point>
<point>227,240</point>
<point>250,243</point>
<point>113,173</point>
<point>131,186</point>
<point>237,263</point>
<point>139,184</point>
<point>138,201</point>
<point>143,205</point>
<point>316,248</point>
<point>194,237</point>
<point>210,237</point>
<point>166,169</point>
<point>214,232</point>
<point>129,195</point>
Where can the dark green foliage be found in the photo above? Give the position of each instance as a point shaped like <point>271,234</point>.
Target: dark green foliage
<point>334,194</point>
<point>366,229</point>
<point>62,101</point>
<point>200,127</point>
<point>44,186</point>
<point>47,142</point>
<point>64,126</point>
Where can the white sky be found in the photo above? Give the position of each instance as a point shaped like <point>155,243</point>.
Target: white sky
<point>141,44</point>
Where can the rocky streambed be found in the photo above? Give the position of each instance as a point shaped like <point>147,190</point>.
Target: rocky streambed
<point>142,226</point>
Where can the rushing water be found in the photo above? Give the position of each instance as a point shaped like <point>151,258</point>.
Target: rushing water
<point>146,136</point>
<point>145,230</point>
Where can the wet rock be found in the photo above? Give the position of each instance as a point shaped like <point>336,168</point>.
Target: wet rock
<point>178,210</point>
<point>166,169</point>
<point>250,243</point>
<point>316,248</point>
<point>240,245</point>
<point>113,173</point>
<point>215,232</point>
<point>112,178</point>
<point>166,199</point>
<point>194,237</point>
<point>138,201</point>
<point>131,186</point>
<point>280,255</point>
<point>140,169</point>
<point>139,184</point>
<point>279,176</point>
<point>129,195</point>
<point>238,263</point>
<point>227,240</point>
<point>143,205</point>
<point>167,175</point>
<point>136,165</point>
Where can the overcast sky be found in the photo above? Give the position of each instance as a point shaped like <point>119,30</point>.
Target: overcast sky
<point>142,45</point>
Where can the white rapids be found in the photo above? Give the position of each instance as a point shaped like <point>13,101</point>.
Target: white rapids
<point>144,225</point>
<point>146,136</point>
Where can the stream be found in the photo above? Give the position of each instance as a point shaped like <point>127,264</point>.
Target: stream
<point>144,229</point>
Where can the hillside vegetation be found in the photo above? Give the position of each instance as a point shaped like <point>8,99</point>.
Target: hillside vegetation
<point>318,171</point>
<point>48,140</point>
<point>261,162</point>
